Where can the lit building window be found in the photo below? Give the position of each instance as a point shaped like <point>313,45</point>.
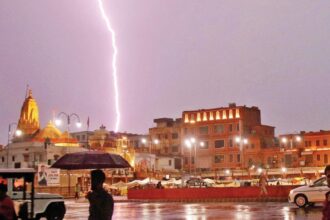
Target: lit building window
<point>186,118</point>
<point>211,116</point>
<point>198,116</point>
<point>217,115</point>
<point>204,116</point>
<point>237,113</point>
<point>230,113</point>
<point>192,118</point>
<point>224,114</point>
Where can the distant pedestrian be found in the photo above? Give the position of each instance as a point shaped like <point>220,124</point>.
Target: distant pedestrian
<point>7,210</point>
<point>77,191</point>
<point>263,184</point>
<point>100,201</point>
<point>326,204</point>
<point>159,185</point>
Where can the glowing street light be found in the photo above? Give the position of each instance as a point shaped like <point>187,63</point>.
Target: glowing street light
<point>17,133</point>
<point>191,142</point>
<point>241,141</point>
<point>58,121</point>
<point>292,139</point>
<point>156,141</point>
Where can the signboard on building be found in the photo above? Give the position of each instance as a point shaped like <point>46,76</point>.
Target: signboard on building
<point>48,176</point>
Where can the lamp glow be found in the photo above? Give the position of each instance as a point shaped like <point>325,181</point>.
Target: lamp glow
<point>18,132</point>
<point>192,140</point>
<point>78,124</point>
<point>58,122</point>
<point>284,140</point>
<point>245,141</point>
<point>188,143</point>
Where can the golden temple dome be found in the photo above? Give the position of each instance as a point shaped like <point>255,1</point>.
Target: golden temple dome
<point>29,119</point>
<point>56,136</point>
<point>50,131</point>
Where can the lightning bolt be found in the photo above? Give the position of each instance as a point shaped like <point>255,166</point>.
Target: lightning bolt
<point>114,60</point>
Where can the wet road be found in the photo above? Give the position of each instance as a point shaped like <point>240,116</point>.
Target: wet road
<point>200,211</point>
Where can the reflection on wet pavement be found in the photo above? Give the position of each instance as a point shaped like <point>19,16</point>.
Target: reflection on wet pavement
<point>201,211</point>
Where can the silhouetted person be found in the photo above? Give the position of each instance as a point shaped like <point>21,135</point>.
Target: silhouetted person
<point>77,191</point>
<point>159,185</point>
<point>7,210</point>
<point>100,201</point>
<point>326,205</point>
<point>263,184</point>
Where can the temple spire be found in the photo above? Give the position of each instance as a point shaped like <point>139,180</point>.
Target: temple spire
<point>29,119</point>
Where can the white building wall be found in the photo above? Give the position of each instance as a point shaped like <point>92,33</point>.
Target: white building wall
<point>165,163</point>
<point>36,151</point>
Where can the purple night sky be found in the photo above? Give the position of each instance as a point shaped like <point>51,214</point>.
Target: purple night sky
<point>173,55</point>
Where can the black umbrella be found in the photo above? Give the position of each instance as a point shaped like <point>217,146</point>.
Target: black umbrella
<point>90,160</point>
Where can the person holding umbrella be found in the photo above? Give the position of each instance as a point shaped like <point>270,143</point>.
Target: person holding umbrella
<point>100,201</point>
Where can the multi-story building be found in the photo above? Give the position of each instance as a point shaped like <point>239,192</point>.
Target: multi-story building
<point>165,142</point>
<point>226,137</point>
<point>306,149</point>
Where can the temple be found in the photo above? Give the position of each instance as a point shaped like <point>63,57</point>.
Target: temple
<point>28,122</point>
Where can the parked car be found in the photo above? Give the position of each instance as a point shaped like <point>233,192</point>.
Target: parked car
<point>31,205</point>
<point>197,182</point>
<point>309,194</point>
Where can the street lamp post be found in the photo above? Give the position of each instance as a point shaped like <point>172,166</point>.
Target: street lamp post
<point>144,142</point>
<point>241,141</point>
<point>191,142</point>
<point>296,138</point>
<point>17,133</point>
<point>291,140</point>
<point>58,122</point>
<point>155,143</point>
<point>188,144</point>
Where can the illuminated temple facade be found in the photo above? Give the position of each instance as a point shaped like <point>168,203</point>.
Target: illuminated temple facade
<point>35,145</point>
